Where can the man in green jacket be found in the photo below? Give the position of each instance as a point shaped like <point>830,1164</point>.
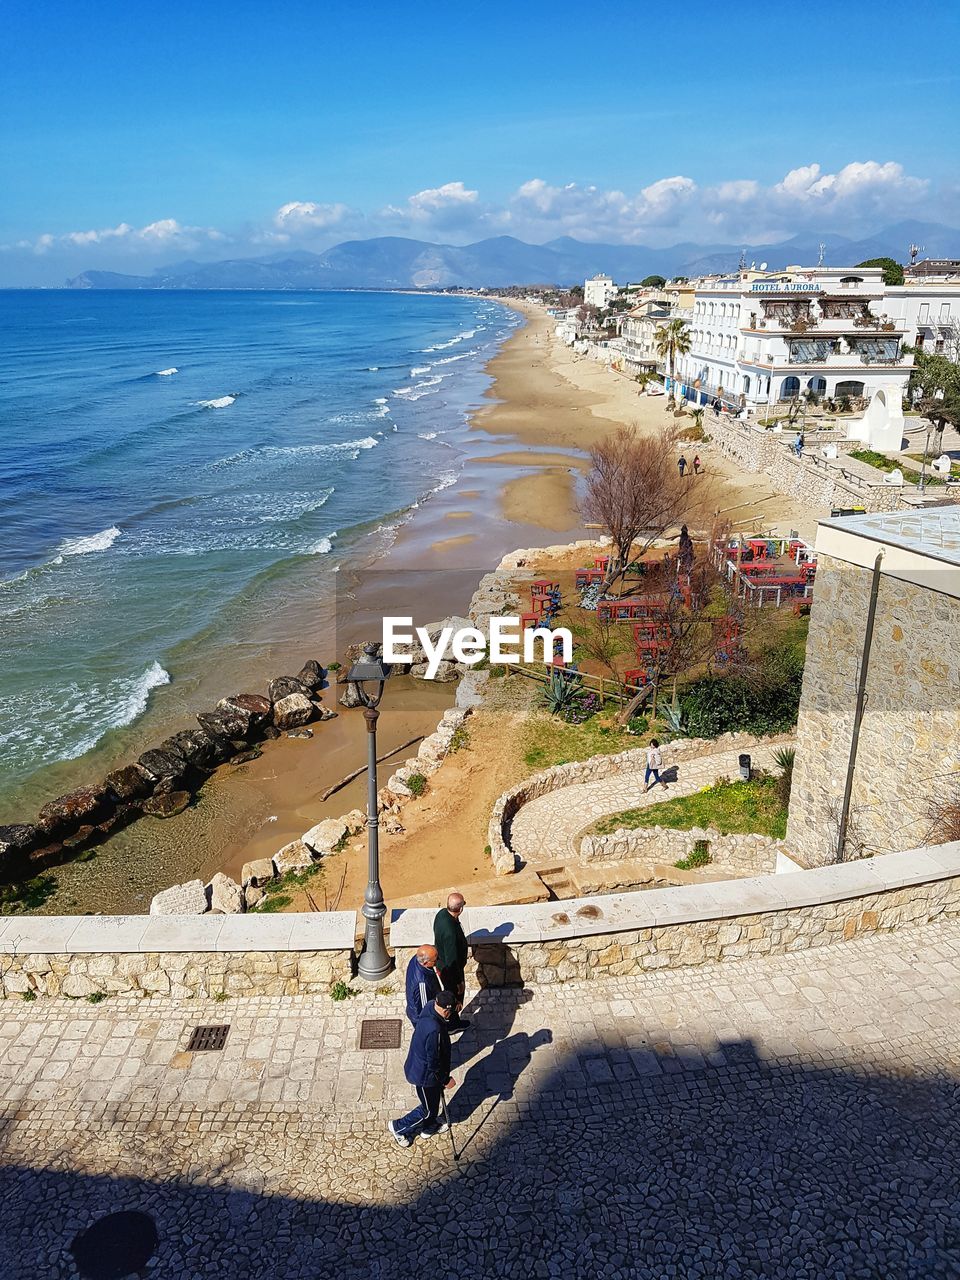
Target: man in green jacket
<point>451,944</point>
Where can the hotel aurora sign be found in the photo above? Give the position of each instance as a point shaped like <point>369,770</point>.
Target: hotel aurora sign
<point>784,286</point>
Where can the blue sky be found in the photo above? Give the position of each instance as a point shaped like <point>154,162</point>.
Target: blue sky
<point>136,134</point>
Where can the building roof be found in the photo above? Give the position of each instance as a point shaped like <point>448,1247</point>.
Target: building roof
<point>920,546</point>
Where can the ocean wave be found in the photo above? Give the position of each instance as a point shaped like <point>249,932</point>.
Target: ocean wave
<point>101,541</point>
<point>165,373</point>
<point>220,403</point>
<point>323,547</point>
<point>464,355</point>
<point>418,369</point>
<point>296,506</point>
<point>442,346</point>
<point>295,450</point>
<point>419,389</point>
<point>427,435</point>
<point>64,723</point>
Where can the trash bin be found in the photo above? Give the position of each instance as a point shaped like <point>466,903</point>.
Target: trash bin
<point>745,767</point>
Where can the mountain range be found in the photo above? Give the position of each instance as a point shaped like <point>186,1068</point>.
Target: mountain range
<point>392,262</point>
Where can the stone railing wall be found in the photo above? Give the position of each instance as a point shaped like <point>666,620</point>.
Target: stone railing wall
<point>565,775</point>
<point>817,481</point>
<point>178,956</point>
<point>630,933</point>
<point>747,854</point>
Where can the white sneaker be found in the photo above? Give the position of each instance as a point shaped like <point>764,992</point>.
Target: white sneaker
<point>400,1139</point>
<point>440,1127</point>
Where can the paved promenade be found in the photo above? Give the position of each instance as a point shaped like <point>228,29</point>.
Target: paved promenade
<point>796,1117</point>
<point>547,828</point>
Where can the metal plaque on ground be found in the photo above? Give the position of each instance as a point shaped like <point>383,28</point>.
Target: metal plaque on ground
<point>380,1033</point>
<point>205,1039</point>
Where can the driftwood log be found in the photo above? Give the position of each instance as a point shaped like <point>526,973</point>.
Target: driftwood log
<point>363,768</point>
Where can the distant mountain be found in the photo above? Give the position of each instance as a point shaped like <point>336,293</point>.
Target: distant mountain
<point>393,262</point>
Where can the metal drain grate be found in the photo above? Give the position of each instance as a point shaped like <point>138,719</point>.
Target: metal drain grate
<point>205,1039</point>
<point>380,1033</point>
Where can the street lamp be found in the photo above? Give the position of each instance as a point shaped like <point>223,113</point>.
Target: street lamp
<point>368,676</point>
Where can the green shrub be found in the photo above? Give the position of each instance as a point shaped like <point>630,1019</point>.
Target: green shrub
<point>638,725</point>
<point>417,784</point>
<point>28,996</point>
<point>699,856</point>
<point>461,738</point>
<point>340,991</point>
<point>96,997</point>
<point>766,703</point>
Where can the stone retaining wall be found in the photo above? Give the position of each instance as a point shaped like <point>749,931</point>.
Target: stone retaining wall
<point>629,933</point>
<point>747,854</point>
<point>182,957</point>
<point>564,775</point>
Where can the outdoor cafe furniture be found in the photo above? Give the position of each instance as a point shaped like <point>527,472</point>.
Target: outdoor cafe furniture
<point>588,577</point>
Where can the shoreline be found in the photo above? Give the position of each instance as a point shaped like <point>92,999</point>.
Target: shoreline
<point>517,486</point>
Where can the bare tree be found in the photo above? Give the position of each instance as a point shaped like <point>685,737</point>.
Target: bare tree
<point>635,492</point>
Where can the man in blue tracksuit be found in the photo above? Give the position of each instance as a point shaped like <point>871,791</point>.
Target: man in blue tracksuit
<point>427,1068</point>
<point>423,981</point>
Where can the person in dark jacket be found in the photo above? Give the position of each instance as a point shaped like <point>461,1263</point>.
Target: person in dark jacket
<point>423,981</point>
<point>451,944</point>
<point>427,1068</point>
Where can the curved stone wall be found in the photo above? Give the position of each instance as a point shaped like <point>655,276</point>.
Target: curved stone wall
<point>511,802</point>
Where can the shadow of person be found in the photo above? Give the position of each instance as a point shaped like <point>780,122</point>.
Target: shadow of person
<point>495,1075</point>
<point>491,1014</point>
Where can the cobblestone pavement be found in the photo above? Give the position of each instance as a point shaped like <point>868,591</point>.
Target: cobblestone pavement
<point>794,1116</point>
<point>548,828</point>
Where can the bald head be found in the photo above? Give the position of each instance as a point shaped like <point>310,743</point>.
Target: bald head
<point>455,903</point>
<point>427,956</point>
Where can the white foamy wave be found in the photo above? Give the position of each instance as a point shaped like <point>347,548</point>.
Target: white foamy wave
<point>296,506</point>
<point>323,547</point>
<point>220,403</point>
<point>419,389</point>
<point>84,546</point>
<point>294,450</point>
<point>464,355</point>
<point>165,373</point>
<point>427,435</point>
<point>442,346</point>
<point>373,368</point>
<point>64,723</point>
<point>418,369</point>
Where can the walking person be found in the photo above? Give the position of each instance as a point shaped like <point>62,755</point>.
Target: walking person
<point>427,1068</point>
<point>686,550</point>
<point>654,765</point>
<point>452,950</point>
<point>423,981</point>
<point>696,465</point>
<point>681,465</point>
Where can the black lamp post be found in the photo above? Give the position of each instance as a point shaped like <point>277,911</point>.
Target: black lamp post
<point>368,676</point>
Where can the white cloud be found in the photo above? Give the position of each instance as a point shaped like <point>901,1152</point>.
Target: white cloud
<point>165,233</point>
<point>591,213</point>
<point>452,205</point>
<point>304,216</point>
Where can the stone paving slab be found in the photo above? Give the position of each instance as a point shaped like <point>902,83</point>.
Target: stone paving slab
<point>548,828</point>
<point>793,1116</point>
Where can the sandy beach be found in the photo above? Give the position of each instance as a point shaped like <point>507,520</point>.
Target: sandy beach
<point>519,486</point>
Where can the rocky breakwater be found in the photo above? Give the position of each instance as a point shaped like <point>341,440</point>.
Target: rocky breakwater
<point>165,779</point>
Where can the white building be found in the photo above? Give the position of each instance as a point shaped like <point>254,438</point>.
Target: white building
<point>761,338</point>
<point>638,330</point>
<point>927,307</point>
<point>599,291</point>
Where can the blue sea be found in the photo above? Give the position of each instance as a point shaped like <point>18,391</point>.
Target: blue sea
<point>176,467</point>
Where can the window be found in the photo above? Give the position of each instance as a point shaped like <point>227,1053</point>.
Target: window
<point>944,311</point>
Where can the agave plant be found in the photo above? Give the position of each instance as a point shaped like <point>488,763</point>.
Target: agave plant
<point>673,716</point>
<point>561,694</point>
<point>784,758</point>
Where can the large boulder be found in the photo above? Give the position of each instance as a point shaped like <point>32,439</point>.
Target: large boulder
<point>294,856</point>
<point>164,764</point>
<point>167,805</point>
<point>292,711</point>
<point>226,896</point>
<point>132,782</point>
<point>311,674</point>
<point>78,808</point>
<point>198,747</point>
<point>227,722</point>
<point>252,705</point>
<point>445,672</point>
<point>326,835</point>
<point>350,697</point>
<point>257,873</point>
<point>18,838</point>
<point>188,899</point>
<point>284,686</point>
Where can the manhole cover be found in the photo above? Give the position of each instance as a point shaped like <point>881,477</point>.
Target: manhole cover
<point>380,1033</point>
<point>119,1245</point>
<point>204,1039</point>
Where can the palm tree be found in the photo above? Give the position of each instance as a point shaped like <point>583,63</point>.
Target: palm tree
<point>672,340</point>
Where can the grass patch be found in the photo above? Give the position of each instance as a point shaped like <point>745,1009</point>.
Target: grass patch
<point>460,740</point>
<point>417,784</point>
<point>699,856</point>
<point>276,895</point>
<point>733,808</point>
<point>275,902</point>
<point>882,463</point>
<point>548,740</point>
<point>340,991</point>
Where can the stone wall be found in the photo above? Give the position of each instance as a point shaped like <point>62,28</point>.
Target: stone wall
<point>629,933</point>
<point>910,738</point>
<point>816,481</point>
<point>178,956</point>
<point>746,854</point>
<point>509,804</point>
